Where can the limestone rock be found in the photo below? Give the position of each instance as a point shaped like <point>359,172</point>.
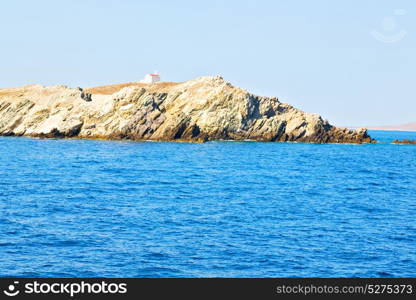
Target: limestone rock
<point>203,109</point>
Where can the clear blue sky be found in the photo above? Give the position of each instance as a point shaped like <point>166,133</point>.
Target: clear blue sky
<point>327,57</point>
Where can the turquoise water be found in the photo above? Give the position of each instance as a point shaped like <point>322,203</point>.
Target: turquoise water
<point>79,208</point>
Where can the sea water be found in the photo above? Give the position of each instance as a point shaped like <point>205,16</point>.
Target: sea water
<point>84,208</point>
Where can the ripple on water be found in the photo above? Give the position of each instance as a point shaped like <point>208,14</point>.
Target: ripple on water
<point>108,209</point>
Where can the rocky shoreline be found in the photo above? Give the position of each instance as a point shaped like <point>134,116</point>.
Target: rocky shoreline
<point>199,110</point>
<point>404,142</point>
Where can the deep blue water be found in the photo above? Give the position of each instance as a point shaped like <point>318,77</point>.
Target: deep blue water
<point>85,208</point>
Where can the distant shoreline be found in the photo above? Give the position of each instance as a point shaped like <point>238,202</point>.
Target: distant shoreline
<point>404,127</point>
<point>391,129</point>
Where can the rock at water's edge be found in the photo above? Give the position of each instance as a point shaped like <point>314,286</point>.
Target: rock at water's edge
<point>207,108</point>
<point>404,142</point>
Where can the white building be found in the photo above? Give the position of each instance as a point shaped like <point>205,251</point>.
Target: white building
<point>150,78</point>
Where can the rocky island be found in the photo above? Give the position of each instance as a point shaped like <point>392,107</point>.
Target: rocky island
<point>404,142</point>
<point>203,109</point>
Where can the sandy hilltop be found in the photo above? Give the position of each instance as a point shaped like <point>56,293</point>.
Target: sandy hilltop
<point>203,109</point>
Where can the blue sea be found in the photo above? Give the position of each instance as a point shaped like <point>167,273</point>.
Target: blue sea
<point>85,208</point>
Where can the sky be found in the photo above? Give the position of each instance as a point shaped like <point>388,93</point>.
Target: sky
<point>353,62</point>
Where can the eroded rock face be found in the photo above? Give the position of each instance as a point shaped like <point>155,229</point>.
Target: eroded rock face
<point>207,108</point>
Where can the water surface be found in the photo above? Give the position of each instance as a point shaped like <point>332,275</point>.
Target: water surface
<point>85,208</point>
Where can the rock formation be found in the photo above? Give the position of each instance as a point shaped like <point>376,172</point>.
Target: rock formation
<point>207,108</point>
<point>404,142</point>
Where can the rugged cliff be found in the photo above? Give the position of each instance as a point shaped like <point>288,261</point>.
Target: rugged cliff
<point>207,108</point>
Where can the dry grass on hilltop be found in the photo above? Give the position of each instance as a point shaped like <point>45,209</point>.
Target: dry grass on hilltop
<point>100,90</point>
<point>113,88</point>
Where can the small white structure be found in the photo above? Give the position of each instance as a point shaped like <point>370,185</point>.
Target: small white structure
<point>150,78</point>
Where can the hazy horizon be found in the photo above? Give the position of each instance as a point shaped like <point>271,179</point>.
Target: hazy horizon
<point>353,63</point>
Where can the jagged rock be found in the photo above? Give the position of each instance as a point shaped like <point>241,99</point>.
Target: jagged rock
<point>86,96</point>
<point>207,108</point>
